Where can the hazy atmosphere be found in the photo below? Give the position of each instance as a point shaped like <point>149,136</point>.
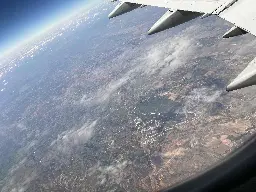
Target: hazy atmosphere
<point>98,105</point>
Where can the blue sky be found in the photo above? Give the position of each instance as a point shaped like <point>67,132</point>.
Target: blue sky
<point>21,20</point>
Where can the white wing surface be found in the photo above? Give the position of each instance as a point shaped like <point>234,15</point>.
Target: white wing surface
<point>206,6</point>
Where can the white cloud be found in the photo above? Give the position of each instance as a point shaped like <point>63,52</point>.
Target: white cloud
<point>204,94</point>
<point>111,88</point>
<point>166,56</point>
<point>112,174</point>
<point>69,139</point>
<point>20,176</point>
<point>197,98</point>
<point>162,58</point>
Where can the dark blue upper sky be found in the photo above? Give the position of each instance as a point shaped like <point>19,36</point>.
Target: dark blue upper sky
<point>21,18</point>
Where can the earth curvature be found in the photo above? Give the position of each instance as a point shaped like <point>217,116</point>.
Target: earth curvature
<point>98,105</point>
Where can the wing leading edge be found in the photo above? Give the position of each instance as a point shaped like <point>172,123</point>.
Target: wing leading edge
<point>241,13</point>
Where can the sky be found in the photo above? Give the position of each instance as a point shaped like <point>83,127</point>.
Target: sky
<point>21,19</point>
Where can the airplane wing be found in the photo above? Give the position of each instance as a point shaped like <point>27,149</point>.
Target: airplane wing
<point>241,13</point>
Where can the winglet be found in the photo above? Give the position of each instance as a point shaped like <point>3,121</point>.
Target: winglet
<point>245,79</point>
